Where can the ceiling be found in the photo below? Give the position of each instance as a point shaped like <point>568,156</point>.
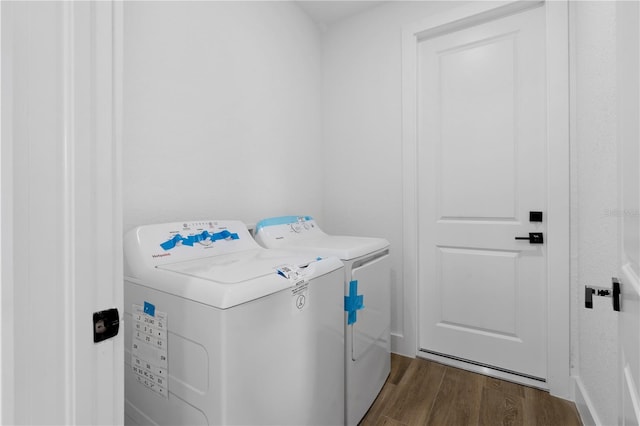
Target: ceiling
<point>328,12</point>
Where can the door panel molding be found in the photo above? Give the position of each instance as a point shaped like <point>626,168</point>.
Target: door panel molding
<point>557,244</point>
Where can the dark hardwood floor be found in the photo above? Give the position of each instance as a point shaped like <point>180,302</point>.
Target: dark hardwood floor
<point>421,392</point>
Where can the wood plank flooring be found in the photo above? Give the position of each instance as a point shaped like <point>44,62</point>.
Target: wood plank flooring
<point>422,392</point>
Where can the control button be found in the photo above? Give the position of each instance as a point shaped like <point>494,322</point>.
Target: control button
<point>296,227</point>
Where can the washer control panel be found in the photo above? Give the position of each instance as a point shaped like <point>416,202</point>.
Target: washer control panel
<point>178,241</point>
<point>277,231</point>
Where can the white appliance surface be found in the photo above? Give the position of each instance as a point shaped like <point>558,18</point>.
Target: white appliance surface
<point>367,338</point>
<point>254,336</point>
<point>302,232</point>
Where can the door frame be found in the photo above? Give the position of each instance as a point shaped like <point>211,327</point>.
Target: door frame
<point>630,281</point>
<point>558,173</point>
<point>89,38</point>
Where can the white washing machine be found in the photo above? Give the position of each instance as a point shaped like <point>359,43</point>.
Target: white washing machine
<point>219,330</point>
<point>367,301</point>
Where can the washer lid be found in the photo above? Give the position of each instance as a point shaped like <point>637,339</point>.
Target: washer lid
<point>344,247</point>
<point>303,233</point>
<point>214,262</point>
<point>239,267</point>
<point>229,280</point>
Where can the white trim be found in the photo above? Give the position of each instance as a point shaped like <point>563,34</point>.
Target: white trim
<point>585,407</point>
<point>627,338</point>
<point>1,227</point>
<point>472,14</point>
<point>68,204</point>
<point>558,181</point>
<point>464,16</point>
<point>7,365</point>
<point>86,278</point>
<point>631,388</point>
<point>558,377</point>
<point>574,208</point>
<point>630,291</point>
<point>407,342</point>
<point>629,277</point>
<point>118,111</point>
<point>97,166</point>
<point>486,371</point>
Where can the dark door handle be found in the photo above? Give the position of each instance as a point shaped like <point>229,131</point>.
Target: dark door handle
<point>588,297</point>
<point>615,284</point>
<point>534,238</point>
<point>613,293</point>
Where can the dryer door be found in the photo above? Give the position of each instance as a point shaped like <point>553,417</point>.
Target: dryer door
<point>371,328</point>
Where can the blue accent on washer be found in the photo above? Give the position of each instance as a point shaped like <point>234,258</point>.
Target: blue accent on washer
<point>149,309</point>
<point>192,239</point>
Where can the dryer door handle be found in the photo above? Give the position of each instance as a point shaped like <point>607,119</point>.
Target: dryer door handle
<point>370,259</point>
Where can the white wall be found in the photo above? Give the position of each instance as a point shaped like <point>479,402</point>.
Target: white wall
<point>595,203</point>
<point>363,133</point>
<point>222,113</point>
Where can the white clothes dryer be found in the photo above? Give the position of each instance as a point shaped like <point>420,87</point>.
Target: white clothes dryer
<point>367,301</point>
<point>219,330</point>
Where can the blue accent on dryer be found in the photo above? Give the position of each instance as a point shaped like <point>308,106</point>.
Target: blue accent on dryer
<point>353,302</point>
<point>280,220</point>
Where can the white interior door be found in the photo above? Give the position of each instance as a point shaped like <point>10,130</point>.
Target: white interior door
<point>481,171</point>
<point>628,14</point>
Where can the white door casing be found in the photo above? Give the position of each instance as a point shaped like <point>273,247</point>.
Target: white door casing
<point>557,173</point>
<point>628,83</point>
<point>61,212</point>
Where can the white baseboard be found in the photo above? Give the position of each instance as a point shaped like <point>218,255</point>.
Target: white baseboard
<point>399,346</point>
<point>584,405</point>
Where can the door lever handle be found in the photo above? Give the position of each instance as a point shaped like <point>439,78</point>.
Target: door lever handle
<point>534,238</point>
<point>615,284</point>
<point>614,293</point>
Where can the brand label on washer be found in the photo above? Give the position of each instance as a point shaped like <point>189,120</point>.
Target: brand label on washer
<point>300,296</point>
